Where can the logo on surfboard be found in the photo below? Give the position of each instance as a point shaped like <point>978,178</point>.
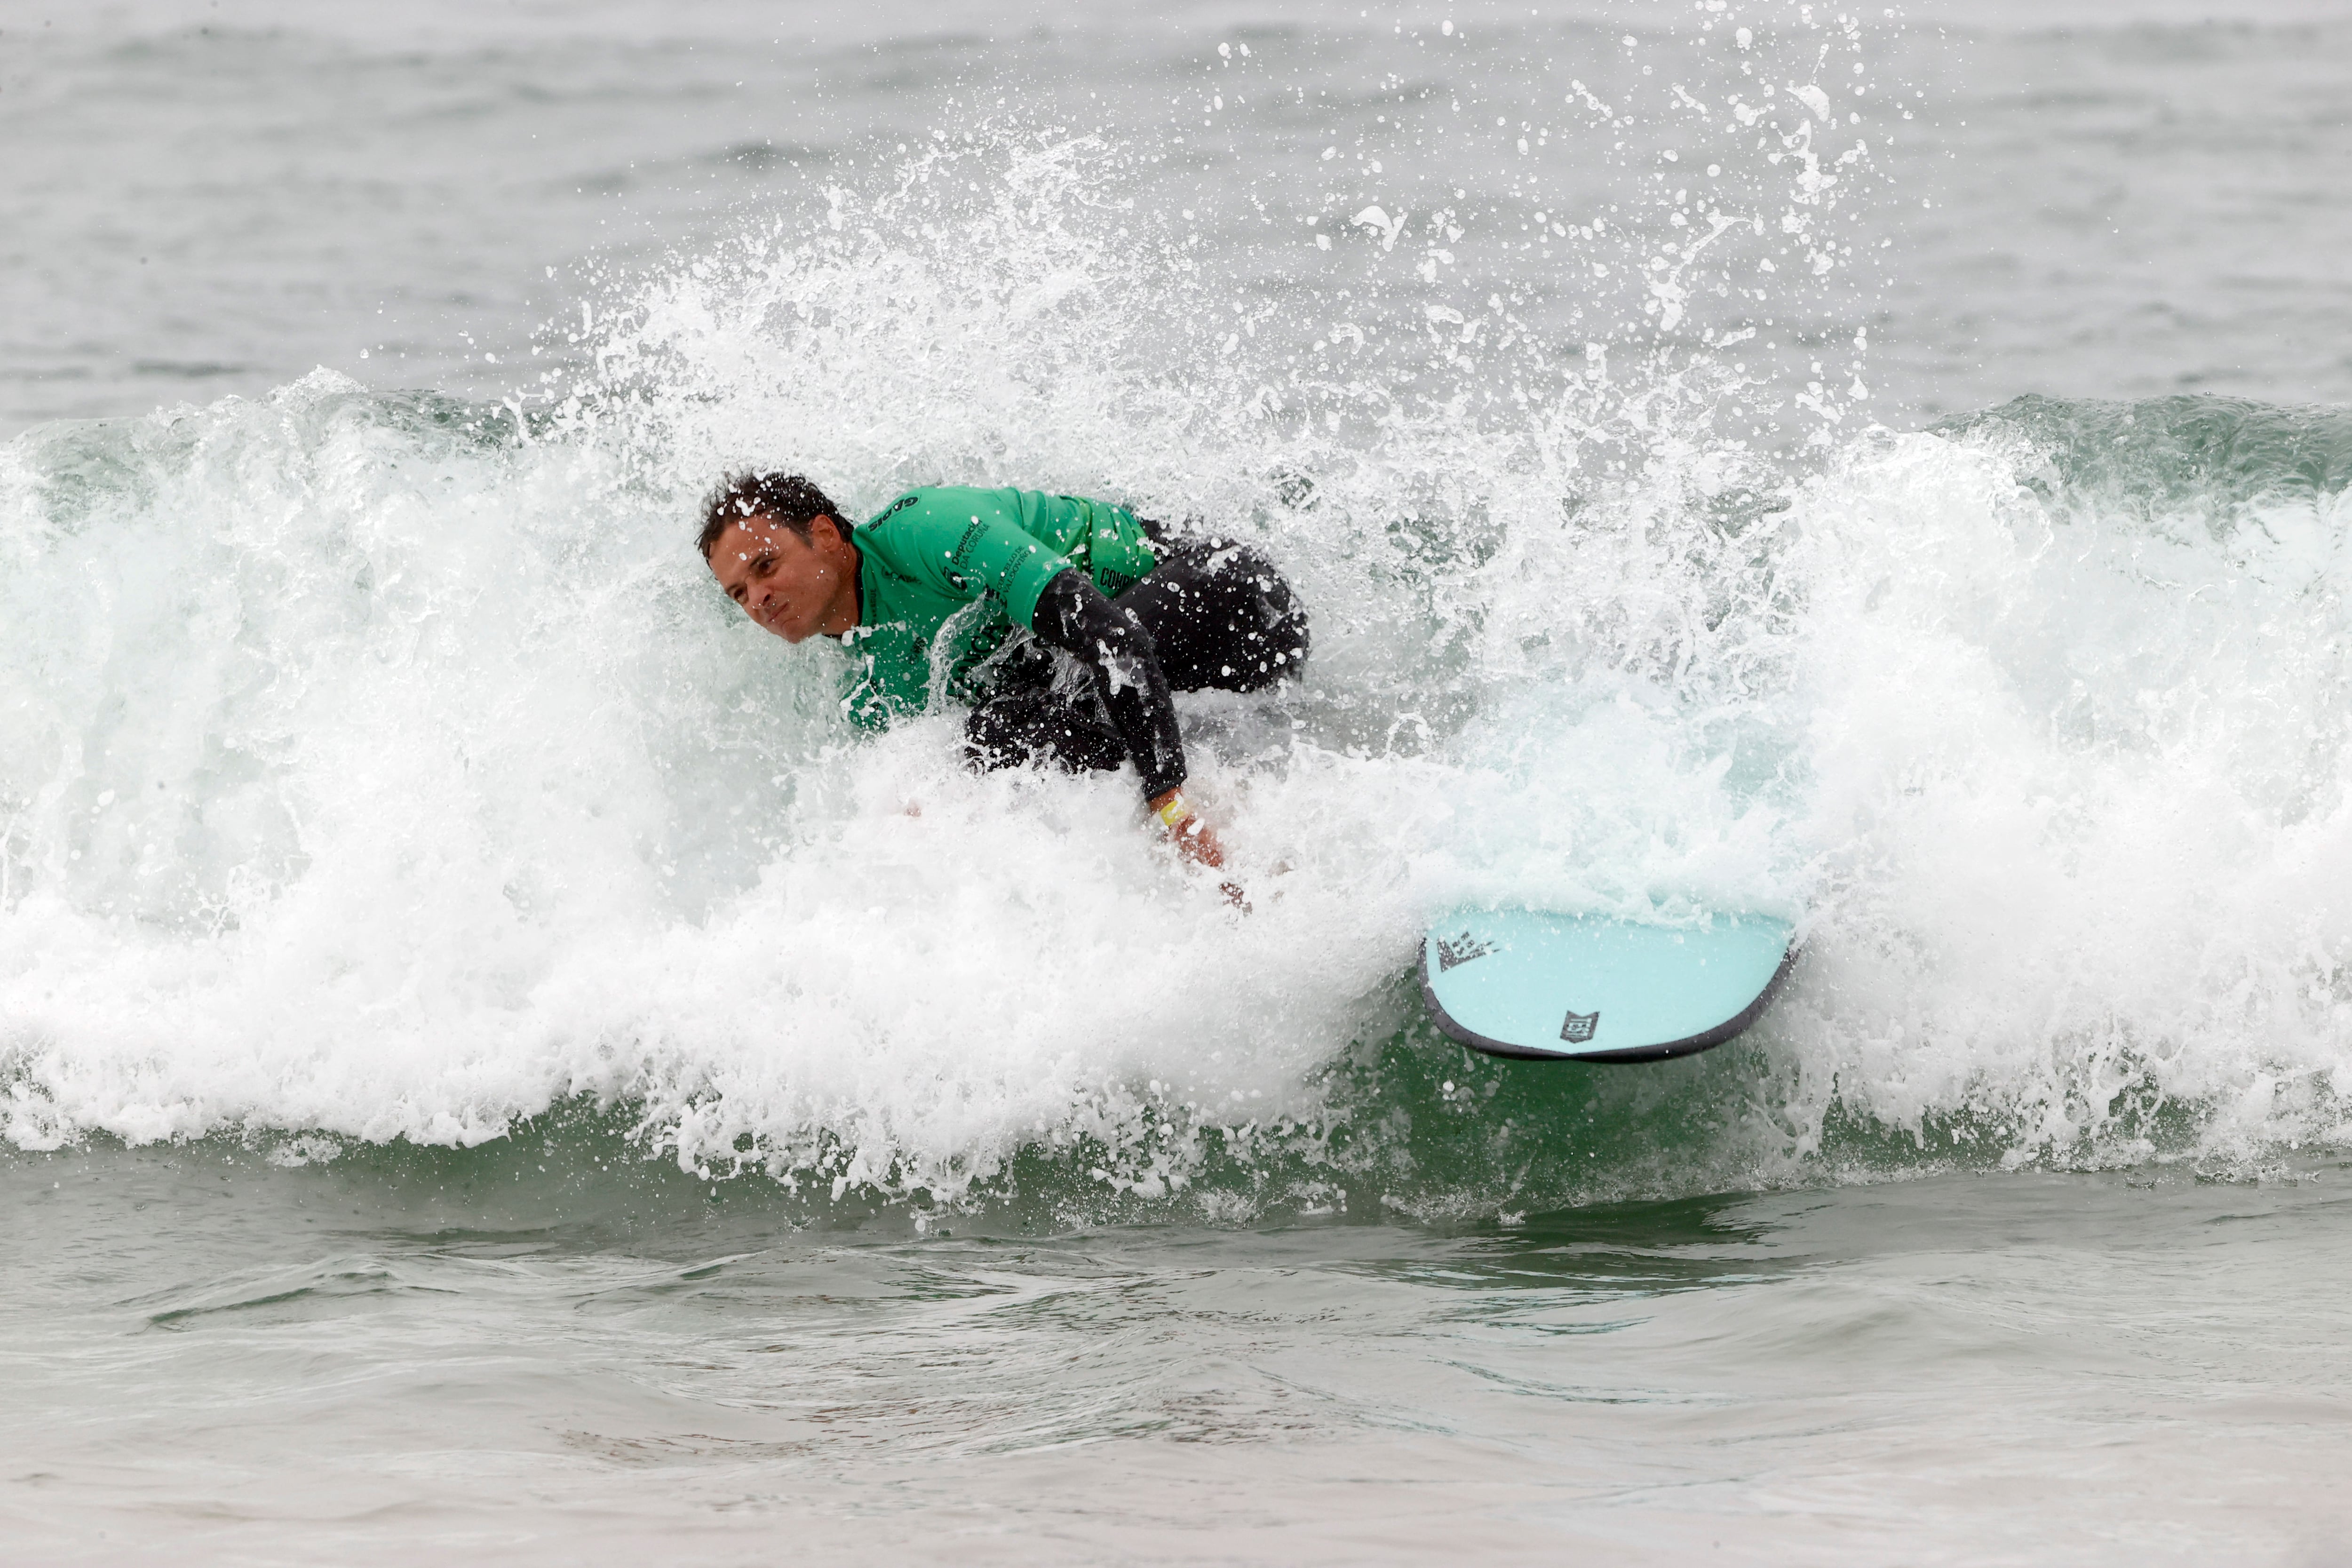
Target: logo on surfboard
<point>1579,1027</point>
<point>1460,950</point>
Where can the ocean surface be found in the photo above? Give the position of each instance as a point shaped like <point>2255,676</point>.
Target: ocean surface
<point>490,1069</point>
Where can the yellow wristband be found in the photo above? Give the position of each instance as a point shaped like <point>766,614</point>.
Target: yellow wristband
<point>1175,812</point>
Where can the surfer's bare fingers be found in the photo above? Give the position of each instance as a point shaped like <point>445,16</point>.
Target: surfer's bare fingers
<point>1199,842</point>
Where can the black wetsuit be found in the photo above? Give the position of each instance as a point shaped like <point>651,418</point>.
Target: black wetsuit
<point>1212,614</point>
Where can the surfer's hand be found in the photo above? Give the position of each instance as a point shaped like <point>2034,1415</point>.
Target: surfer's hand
<point>1194,839</point>
<point>1198,842</point>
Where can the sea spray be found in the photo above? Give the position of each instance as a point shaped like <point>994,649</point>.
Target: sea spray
<point>383,767</point>
<point>2080,789</point>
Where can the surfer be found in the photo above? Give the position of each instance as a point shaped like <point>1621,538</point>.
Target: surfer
<point>943,577</point>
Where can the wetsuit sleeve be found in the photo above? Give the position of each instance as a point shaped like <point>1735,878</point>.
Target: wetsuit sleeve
<point>1073,615</point>
<point>967,556</point>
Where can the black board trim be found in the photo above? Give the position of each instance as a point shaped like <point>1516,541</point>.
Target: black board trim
<point>1690,1046</point>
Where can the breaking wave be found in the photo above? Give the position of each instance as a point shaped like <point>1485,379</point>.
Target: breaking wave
<point>379,768</point>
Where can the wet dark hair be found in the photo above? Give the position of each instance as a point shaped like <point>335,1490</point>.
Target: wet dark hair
<point>788,500</point>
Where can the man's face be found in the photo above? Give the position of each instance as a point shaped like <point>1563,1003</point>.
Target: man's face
<point>793,586</point>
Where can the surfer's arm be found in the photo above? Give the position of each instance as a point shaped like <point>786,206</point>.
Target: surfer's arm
<point>968,555</point>
<point>965,555</point>
<point>1073,615</point>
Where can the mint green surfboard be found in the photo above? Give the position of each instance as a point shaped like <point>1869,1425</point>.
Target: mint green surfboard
<point>1592,988</point>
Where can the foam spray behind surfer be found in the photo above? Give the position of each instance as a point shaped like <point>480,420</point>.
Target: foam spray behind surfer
<point>945,577</point>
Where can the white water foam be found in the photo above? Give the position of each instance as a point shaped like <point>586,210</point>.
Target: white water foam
<point>386,768</point>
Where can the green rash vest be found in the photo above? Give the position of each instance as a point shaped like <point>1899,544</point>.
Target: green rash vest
<point>946,572</point>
